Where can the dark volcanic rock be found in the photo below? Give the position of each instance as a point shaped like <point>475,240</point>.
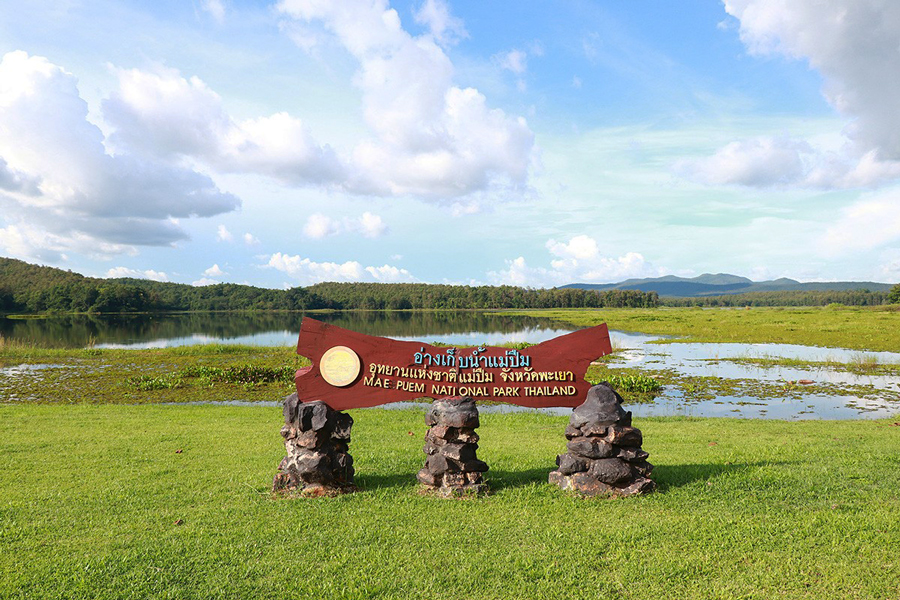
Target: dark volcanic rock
<point>451,466</point>
<point>316,439</point>
<point>610,470</point>
<point>591,448</point>
<point>603,406</point>
<point>604,451</point>
<point>624,436</point>
<point>569,464</point>
<point>453,412</point>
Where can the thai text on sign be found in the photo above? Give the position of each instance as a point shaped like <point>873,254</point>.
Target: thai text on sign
<point>354,370</point>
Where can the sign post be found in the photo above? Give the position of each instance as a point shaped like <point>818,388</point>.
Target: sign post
<point>354,370</point>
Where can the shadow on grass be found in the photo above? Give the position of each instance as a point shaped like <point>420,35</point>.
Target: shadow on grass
<point>675,476</point>
<point>666,476</point>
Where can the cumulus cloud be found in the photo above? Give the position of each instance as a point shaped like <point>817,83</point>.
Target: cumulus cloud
<point>765,161</point>
<point>214,271</point>
<point>444,27</point>
<point>872,221</point>
<point>371,226</point>
<point>853,45</point>
<point>57,172</point>
<point>117,272</point>
<point>783,162</point>
<point>16,181</point>
<point>223,235</point>
<point>430,138</point>
<point>308,272</point>
<point>319,226</point>
<point>163,114</point>
<point>204,281</point>
<point>577,260</point>
<point>251,240</point>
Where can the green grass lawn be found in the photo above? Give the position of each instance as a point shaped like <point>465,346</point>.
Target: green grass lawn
<point>860,328</point>
<point>90,496</point>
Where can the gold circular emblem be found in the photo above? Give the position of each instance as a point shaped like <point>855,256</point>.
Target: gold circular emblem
<point>339,366</point>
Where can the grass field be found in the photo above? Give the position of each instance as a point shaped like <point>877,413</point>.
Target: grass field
<point>113,376</point>
<point>859,328</point>
<point>106,492</point>
<point>91,499</point>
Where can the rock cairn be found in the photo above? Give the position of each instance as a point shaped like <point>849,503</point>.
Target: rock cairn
<point>317,441</point>
<point>604,451</point>
<point>451,467</point>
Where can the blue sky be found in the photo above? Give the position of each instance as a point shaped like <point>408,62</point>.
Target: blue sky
<point>530,143</point>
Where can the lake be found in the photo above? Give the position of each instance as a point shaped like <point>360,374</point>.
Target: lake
<point>741,390</point>
<point>274,329</point>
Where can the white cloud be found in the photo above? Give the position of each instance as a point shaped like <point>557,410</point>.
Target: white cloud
<point>577,261</point>
<point>872,221</point>
<point>223,235</point>
<point>513,60</point>
<point>307,272</point>
<point>16,181</point>
<point>214,8</point>
<point>319,226</point>
<point>117,272</point>
<point>251,240</point>
<point>371,226</point>
<point>853,45</point>
<point>469,206</point>
<point>57,172</point>
<point>444,27</point>
<point>204,281</point>
<point>163,114</point>
<point>580,247</point>
<point>889,270</point>
<point>214,271</point>
<point>760,162</point>
<point>31,242</point>
<point>782,162</point>
<point>430,139</point>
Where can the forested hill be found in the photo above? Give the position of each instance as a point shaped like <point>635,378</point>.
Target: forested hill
<point>27,288</point>
<point>721,284</point>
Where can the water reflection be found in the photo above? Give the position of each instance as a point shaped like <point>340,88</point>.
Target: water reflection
<point>273,329</point>
<point>470,328</point>
<point>711,360</point>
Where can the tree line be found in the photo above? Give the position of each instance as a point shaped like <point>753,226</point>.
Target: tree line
<point>792,298</point>
<point>26,288</point>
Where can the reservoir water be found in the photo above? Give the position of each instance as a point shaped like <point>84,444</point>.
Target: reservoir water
<point>838,392</point>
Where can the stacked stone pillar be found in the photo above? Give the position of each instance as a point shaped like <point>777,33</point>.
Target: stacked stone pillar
<point>604,451</point>
<point>451,467</point>
<point>317,439</point>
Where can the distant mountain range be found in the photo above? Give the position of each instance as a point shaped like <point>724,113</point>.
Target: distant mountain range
<point>720,284</point>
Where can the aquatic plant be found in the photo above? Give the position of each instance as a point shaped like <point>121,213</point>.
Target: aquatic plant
<point>631,383</point>
<point>146,383</point>
<point>241,374</point>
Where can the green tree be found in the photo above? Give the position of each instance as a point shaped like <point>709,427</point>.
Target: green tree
<point>894,295</point>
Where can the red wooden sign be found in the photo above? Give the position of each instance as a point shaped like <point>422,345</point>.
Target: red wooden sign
<point>353,370</point>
